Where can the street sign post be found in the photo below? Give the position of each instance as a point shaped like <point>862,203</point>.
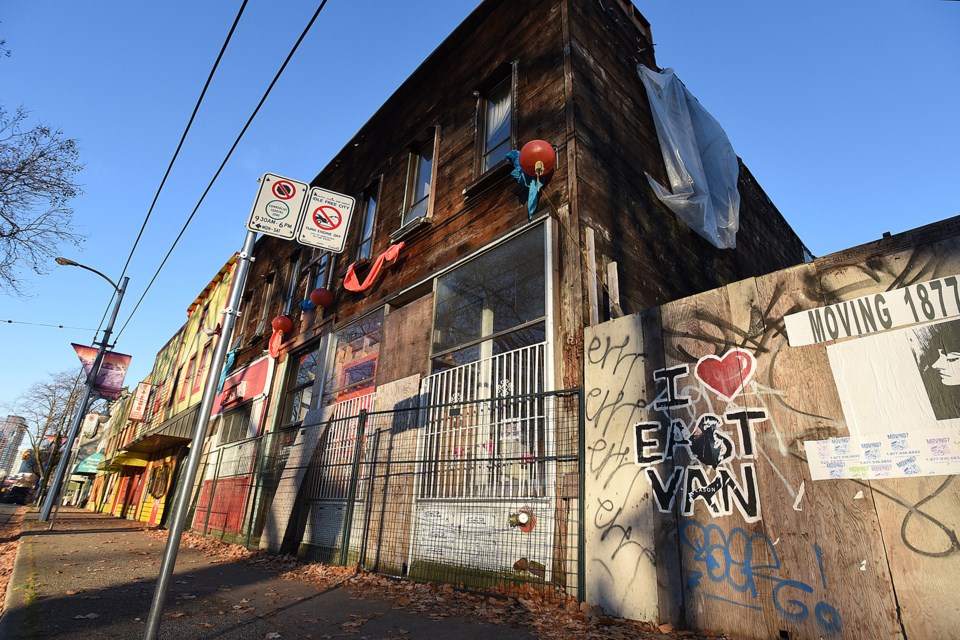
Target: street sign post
<point>276,211</point>
<point>326,220</point>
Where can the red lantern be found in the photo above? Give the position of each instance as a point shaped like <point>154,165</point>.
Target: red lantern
<point>322,297</point>
<point>282,324</point>
<point>537,158</point>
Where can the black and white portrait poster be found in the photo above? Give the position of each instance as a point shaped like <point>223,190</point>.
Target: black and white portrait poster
<point>900,394</point>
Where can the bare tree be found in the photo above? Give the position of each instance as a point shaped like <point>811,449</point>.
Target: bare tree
<point>38,167</point>
<point>48,408</point>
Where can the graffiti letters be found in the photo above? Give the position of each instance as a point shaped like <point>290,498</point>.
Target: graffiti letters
<point>701,451</point>
<point>748,564</point>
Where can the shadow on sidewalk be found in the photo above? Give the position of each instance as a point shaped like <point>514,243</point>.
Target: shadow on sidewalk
<point>106,589</point>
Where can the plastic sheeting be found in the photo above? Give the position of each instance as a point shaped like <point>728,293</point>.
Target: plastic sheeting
<point>700,161</point>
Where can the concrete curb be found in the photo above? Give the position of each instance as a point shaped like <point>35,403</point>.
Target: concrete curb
<point>13,604</point>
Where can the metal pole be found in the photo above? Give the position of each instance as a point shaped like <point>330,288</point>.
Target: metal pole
<point>254,489</point>
<point>78,420</point>
<point>199,435</point>
<point>213,490</point>
<point>581,498</point>
<point>58,499</point>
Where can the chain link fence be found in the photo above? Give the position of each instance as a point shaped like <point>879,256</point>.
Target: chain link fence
<point>484,494</point>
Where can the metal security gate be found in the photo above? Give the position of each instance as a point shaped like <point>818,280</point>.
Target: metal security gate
<point>484,493</point>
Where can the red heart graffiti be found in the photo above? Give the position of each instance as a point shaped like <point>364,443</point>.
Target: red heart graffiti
<point>729,375</point>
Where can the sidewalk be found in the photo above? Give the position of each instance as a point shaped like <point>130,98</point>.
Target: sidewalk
<point>93,576</point>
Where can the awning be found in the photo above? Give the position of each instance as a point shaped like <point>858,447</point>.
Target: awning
<point>178,430</point>
<point>117,462</point>
<point>89,464</point>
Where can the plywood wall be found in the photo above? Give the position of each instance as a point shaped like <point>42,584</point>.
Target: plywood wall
<point>702,507</point>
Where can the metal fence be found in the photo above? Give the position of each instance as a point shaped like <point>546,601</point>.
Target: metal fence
<point>484,493</point>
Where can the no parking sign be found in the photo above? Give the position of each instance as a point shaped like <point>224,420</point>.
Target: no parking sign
<point>276,211</point>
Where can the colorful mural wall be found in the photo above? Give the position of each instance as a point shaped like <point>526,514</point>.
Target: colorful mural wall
<point>777,458</point>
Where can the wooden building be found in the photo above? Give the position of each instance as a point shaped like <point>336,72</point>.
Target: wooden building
<point>475,296</point>
<point>423,173</point>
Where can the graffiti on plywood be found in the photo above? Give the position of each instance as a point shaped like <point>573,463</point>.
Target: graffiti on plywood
<point>748,564</point>
<point>705,458</point>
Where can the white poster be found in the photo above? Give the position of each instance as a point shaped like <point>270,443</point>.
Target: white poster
<point>900,393</point>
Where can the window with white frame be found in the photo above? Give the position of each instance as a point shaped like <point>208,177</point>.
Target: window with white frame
<point>420,173</point>
<point>235,424</point>
<point>492,304</point>
<point>496,123</point>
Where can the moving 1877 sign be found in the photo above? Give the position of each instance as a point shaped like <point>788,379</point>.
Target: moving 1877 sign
<point>289,209</point>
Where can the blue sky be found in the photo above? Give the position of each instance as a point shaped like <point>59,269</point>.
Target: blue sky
<point>844,111</point>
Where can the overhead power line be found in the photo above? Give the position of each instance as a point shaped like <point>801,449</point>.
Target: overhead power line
<point>176,153</point>
<point>225,160</point>
<point>41,324</point>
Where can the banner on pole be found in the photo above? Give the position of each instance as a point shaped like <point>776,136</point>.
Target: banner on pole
<point>113,369</point>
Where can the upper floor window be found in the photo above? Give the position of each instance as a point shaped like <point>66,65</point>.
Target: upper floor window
<point>322,267</point>
<point>242,322</point>
<point>292,278</point>
<point>203,317</point>
<point>264,317</point>
<point>202,369</point>
<point>368,216</point>
<point>496,119</point>
<point>191,372</point>
<point>174,387</point>
<point>420,175</point>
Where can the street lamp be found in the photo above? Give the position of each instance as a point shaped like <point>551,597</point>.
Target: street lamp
<point>54,487</point>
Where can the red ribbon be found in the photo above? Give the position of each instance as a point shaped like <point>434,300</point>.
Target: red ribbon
<point>385,259</point>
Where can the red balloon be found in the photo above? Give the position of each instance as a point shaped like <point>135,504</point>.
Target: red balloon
<point>322,297</point>
<point>534,152</point>
<point>282,324</point>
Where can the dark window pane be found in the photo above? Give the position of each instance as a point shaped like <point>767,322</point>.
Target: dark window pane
<point>495,292</point>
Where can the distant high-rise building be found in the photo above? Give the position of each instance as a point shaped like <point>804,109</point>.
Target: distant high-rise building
<point>11,436</point>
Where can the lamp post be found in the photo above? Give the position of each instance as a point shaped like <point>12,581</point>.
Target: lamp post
<point>53,488</point>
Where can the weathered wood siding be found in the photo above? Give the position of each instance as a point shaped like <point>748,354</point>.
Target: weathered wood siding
<point>765,552</point>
